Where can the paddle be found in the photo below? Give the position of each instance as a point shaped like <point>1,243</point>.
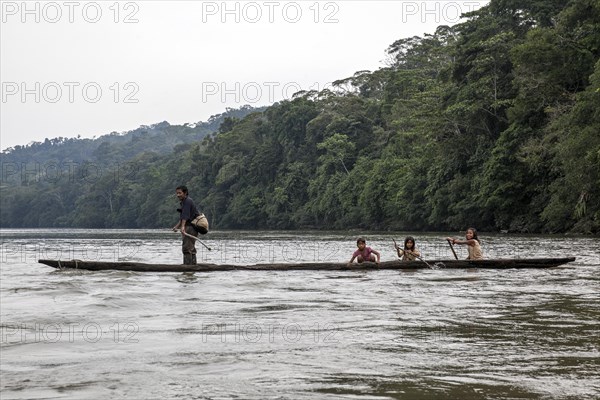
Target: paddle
<point>416,256</point>
<point>452,248</point>
<point>194,237</point>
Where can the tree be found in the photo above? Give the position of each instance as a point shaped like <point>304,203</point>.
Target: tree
<point>337,149</point>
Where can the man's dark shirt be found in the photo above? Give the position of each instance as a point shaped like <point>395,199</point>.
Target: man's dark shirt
<point>188,209</point>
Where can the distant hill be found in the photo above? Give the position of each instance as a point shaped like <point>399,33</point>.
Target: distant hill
<point>491,123</point>
<point>160,138</point>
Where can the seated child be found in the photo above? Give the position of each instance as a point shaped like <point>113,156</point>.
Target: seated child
<point>410,251</point>
<point>364,253</point>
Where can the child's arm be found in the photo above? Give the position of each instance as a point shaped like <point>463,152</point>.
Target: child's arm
<point>400,252</point>
<point>470,242</point>
<point>352,259</point>
<point>377,254</point>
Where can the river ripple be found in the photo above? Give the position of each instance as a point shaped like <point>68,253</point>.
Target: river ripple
<point>295,334</point>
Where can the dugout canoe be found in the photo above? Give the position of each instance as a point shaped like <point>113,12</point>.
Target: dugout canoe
<point>453,264</point>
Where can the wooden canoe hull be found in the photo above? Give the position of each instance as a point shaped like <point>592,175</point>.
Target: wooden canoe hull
<point>441,264</point>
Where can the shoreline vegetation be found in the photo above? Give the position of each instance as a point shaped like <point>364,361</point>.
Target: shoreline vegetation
<point>491,123</point>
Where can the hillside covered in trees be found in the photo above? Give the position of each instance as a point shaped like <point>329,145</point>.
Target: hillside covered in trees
<point>493,123</point>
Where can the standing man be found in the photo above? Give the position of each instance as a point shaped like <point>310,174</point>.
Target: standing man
<point>187,213</point>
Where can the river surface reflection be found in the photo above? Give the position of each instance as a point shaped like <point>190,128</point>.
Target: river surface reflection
<point>430,333</point>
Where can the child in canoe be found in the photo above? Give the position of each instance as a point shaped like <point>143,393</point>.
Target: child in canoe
<point>473,244</point>
<point>410,251</point>
<point>364,253</point>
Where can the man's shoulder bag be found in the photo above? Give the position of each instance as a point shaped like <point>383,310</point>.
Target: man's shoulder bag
<point>200,223</point>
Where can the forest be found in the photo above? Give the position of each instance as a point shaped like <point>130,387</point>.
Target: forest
<point>492,123</point>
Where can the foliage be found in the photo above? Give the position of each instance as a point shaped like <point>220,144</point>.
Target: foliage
<point>490,123</point>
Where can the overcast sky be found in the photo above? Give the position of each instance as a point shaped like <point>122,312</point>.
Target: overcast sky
<point>72,68</point>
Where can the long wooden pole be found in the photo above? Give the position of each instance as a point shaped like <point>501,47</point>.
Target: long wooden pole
<point>194,237</point>
<point>452,248</point>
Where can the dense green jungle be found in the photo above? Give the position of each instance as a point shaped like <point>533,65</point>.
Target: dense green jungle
<point>493,123</point>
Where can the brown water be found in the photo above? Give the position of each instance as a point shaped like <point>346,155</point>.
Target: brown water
<point>431,333</point>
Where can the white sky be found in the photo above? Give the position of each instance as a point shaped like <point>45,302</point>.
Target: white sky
<point>88,68</point>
